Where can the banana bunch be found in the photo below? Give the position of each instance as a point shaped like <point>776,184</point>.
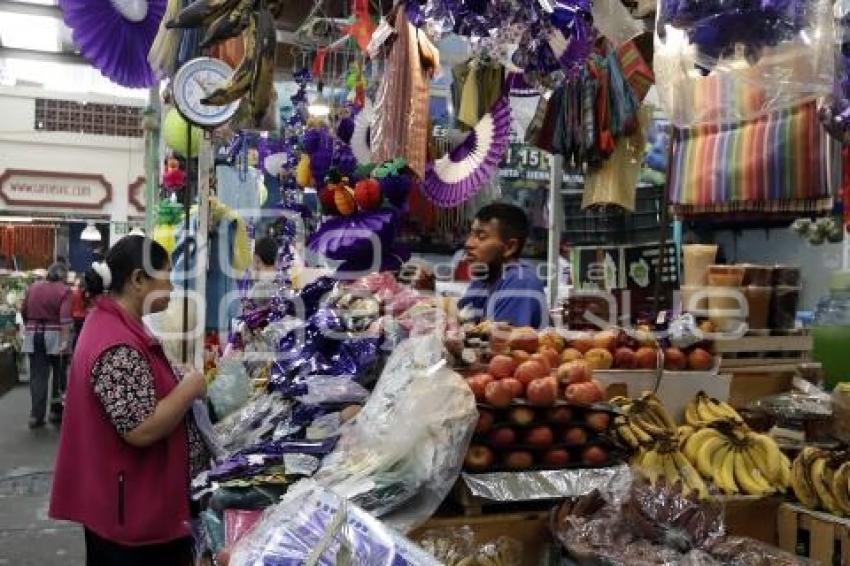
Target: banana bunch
<point>254,21</point>
<point>737,459</point>
<point>665,460</point>
<point>821,480</point>
<point>703,410</point>
<point>643,422</point>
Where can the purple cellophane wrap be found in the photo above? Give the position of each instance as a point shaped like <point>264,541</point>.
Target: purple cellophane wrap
<point>115,46</point>
<point>352,237</point>
<point>478,163</point>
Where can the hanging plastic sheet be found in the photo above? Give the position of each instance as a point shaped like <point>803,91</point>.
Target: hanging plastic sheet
<point>724,62</point>
<point>548,484</point>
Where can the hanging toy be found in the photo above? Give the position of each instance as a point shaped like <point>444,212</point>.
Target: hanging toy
<point>173,178</point>
<point>302,172</point>
<point>395,185</point>
<point>367,194</point>
<point>344,200</point>
<point>166,236</point>
<point>328,200</point>
<point>175,130</point>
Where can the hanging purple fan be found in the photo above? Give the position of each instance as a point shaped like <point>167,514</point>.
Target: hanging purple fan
<point>115,36</point>
<point>355,237</point>
<point>456,177</point>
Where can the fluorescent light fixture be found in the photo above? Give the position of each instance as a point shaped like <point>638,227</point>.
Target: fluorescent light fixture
<point>16,219</point>
<point>137,231</point>
<point>319,107</point>
<point>90,233</point>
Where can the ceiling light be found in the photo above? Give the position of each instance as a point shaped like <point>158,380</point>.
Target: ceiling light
<point>137,231</point>
<point>90,233</point>
<point>319,107</point>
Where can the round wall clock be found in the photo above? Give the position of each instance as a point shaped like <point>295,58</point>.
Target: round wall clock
<point>195,81</point>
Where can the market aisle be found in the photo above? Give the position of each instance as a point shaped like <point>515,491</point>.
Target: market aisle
<point>27,536</point>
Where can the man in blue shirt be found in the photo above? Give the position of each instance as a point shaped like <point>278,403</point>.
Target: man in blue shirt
<point>503,289</point>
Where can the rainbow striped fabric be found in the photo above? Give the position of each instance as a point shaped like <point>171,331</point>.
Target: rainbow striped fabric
<point>770,164</point>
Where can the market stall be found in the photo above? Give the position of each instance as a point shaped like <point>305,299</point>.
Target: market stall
<point>671,405</point>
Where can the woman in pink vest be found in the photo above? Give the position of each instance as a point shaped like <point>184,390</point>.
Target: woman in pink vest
<point>128,445</point>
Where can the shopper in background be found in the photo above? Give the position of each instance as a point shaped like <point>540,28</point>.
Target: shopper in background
<point>129,444</point>
<point>503,289</point>
<point>265,271</point>
<point>79,308</point>
<point>46,312</point>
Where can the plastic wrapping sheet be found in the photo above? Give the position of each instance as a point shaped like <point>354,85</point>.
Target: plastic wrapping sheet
<point>318,527</point>
<point>742,551</point>
<point>794,405</point>
<point>725,62</point>
<point>231,388</point>
<point>548,484</point>
<point>253,422</point>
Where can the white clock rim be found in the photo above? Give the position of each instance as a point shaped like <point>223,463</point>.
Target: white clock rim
<point>181,99</point>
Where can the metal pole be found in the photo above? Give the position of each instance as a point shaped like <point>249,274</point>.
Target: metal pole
<point>202,252</point>
<point>153,115</point>
<point>187,258</point>
<point>556,214</point>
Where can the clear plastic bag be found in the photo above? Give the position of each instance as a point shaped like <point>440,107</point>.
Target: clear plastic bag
<point>318,527</point>
<point>251,423</point>
<point>794,406</point>
<point>724,62</point>
<point>743,551</point>
<point>401,455</point>
<point>231,388</point>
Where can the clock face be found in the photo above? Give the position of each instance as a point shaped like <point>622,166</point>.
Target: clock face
<point>196,80</point>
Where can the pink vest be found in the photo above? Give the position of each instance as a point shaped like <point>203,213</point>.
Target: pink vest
<point>131,496</point>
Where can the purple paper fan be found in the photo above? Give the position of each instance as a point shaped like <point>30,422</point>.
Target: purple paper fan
<point>456,177</point>
<point>112,42</point>
<point>355,237</point>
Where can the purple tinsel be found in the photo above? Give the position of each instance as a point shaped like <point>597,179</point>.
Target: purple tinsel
<point>345,129</point>
<point>344,159</point>
<point>313,140</point>
<point>395,188</point>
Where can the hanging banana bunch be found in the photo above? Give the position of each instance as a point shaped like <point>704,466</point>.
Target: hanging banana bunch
<point>254,22</point>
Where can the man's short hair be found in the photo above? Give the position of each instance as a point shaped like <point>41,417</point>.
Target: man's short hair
<point>513,223</point>
<point>266,249</point>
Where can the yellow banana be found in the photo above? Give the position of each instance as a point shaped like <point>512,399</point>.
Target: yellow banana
<point>696,440</point>
<point>691,415</point>
<point>726,410</point>
<point>640,434</point>
<point>724,469</point>
<point>626,434</point>
<point>651,466</point>
<point>765,453</point>
<point>822,482</point>
<point>671,472</point>
<point>690,478</point>
<point>705,453</point>
<point>704,409</point>
<point>240,80</point>
<point>801,483</point>
<point>839,487</point>
<point>657,409</point>
<point>756,473</point>
<point>749,484</point>
<point>651,428</point>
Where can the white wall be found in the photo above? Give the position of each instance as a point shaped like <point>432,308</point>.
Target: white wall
<point>120,160</point>
<point>783,246</point>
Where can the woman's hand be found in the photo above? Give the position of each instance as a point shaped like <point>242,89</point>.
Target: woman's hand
<point>195,383</point>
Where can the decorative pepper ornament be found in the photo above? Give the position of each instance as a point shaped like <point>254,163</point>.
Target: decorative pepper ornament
<point>344,200</point>
<point>302,172</point>
<point>367,193</point>
<point>173,178</point>
<point>326,197</point>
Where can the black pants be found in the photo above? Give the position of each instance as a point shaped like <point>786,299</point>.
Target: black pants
<point>102,552</point>
<point>41,364</point>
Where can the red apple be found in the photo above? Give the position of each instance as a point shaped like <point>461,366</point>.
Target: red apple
<point>700,360</point>
<point>582,343</point>
<point>498,394</point>
<point>570,355</point>
<point>624,358</point>
<point>574,372</point>
<point>556,458</point>
<point>542,392</point>
<point>503,437</point>
<point>478,383</point>
<point>478,458</point>
<point>522,416</point>
<point>606,340</point>
<point>517,387</point>
<point>521,460</point>
<point>594,456</point>
<point>542,360</point>
<point>559,415</point>
<point>598,420</point>
<point>540,437</point>
<point>646,358</point>
<point>599,358</point>
<point>485,422</point>
<point>529,371</point>
<point>501,366</point>
<point>520,356</point>
<point>575,435</point>
<point>551,356</point>
<point>675,360</point>
<point>584,394</point>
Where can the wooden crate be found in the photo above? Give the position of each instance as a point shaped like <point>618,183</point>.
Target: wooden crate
<point>531,529</point>
<point>828,536</point>
<point>750,516</point>
<point>765,352</point>
<point>747,387</point>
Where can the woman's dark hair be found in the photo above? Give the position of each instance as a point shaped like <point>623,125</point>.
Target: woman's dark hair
<point>126,256</point>
<point>57,272</point>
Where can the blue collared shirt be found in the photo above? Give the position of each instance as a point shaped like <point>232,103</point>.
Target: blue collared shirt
<point>516,297</point>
